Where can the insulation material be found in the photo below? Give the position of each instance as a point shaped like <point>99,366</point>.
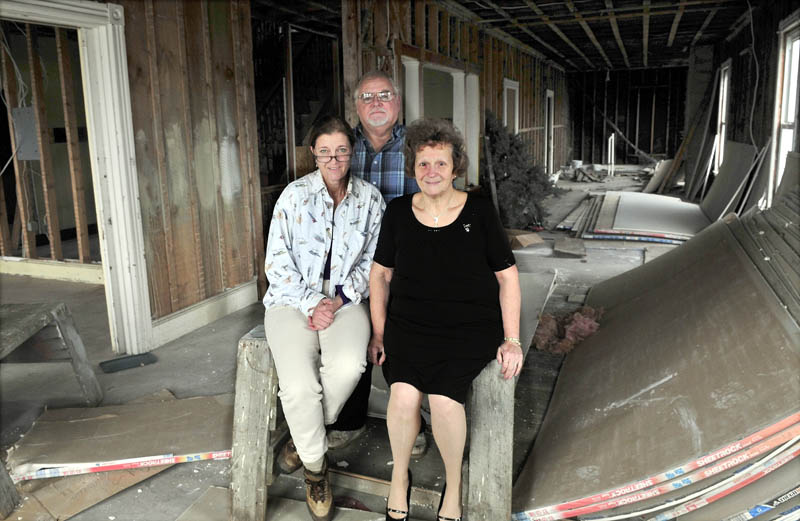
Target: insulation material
<point>691,365</point>
<point>560,334</point>
<point>78,441</point>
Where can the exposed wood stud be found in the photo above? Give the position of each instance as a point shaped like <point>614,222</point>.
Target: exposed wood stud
<point>5,231</point>
<point>183,65</point>
<point>247,256</point>
<point>675,22</point>
<point>158,138</point>
<point>444,34</point>
<point>43,134</point>
<point>73,149</point>
<point>588,31</point>
<point>351,53</point>
<point>645,30</point>
<point>419,21</point>
<point>21,215</point>
<point>433,27</point>
<point>291,144</point>
<point>615,29</point>
<point>703,27</point>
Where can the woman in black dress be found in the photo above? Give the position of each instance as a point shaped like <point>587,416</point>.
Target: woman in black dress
<point>444,302</point>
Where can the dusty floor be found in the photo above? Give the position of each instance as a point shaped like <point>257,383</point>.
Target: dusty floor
<point>203,363</point>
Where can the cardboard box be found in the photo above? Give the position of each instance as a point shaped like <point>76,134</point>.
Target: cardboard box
<point>522,238</point>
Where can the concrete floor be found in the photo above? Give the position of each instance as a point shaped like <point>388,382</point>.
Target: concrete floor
<point>203,363</point>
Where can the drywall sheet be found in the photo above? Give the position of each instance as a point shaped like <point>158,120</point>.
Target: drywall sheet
<point>791,175</point>
<point>659,215</point>
<point>78,438</point>
<point>701,356</point>
<point>658,176</point>
<point>629,285</point>
<point>727,186</point>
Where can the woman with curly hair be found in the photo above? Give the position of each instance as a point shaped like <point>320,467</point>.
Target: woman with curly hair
<point>444,302</point>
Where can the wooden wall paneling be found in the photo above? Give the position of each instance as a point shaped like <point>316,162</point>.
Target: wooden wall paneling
<point>420,16</point>
<point>498,75</point>
<point>351,56</point>
<point>231,197</point>
<point>245,18</point>
<point>455,38</point>
<point>433,27</point>
<point>400,20</point>
<point>464,47</point>
<point>43,135</point>
<point>444,34</point>
<point>366,24</point>
<point>139,45</point>
<point>73,150</point>
<point>245,152</point>
<point>202,136</point>
<point>380,17</point>
<point>22,217</point>
<point>474,42</point>
<point>179,183</point>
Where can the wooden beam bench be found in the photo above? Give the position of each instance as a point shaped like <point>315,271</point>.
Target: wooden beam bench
<point>20,322</point>
<point>490,409</point>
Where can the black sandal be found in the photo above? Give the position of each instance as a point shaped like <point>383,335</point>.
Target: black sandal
<point>403,512</point>
<point>441,517</point>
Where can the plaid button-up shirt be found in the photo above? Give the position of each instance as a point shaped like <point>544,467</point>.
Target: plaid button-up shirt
<point>383,169</point>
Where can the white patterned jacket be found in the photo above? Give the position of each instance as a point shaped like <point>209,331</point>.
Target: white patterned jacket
<point>303,226</point>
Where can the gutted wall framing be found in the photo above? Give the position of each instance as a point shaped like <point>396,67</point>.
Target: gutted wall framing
<point>646,105</point>
<point>444,35</point>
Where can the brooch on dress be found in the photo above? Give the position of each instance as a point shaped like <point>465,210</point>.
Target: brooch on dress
<point>466,227</point>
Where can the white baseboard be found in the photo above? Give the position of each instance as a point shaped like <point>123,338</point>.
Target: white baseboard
<point>187,320</point>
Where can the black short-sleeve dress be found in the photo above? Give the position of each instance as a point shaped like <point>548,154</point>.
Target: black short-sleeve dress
<point>443,321</point>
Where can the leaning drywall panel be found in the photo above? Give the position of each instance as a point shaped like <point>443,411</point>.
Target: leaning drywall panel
<point>696,360</point>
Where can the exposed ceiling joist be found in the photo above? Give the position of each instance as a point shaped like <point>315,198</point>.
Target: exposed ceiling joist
<point>615,28</point>
<point>703,27</point>
<point>588,31</point>
<point>624,13</point>
<point>645,30</point>
<point>558,31</point>
<point>674,29</point>
<point>527,31</point>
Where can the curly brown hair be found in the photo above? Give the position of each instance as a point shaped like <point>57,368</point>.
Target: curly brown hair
<point>429,132</point>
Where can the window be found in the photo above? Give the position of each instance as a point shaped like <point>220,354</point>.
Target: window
<point>786,136</point>
<point>722,113</point>
<point>511,105</point>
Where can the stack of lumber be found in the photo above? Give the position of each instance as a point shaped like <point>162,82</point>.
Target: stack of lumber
<point>684,403</point>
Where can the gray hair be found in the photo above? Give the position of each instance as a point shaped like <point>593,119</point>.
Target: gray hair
<point>375,75</point>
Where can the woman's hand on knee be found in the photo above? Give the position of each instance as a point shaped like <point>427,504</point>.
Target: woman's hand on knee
<point>375,351</point>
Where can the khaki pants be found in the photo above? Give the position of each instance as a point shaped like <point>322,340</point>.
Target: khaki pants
<point>317,370</point>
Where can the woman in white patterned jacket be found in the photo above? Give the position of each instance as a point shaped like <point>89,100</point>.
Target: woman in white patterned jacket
<point>322,237</point>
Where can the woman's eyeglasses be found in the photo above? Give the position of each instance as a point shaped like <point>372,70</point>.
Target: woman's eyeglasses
<point>383,96</point>
<point>341,158</point>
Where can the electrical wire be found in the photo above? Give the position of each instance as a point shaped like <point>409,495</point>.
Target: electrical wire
<point>755,88</point>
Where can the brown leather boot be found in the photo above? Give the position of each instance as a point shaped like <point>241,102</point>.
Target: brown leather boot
<point>319,495</point>
<point>288,459</point>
